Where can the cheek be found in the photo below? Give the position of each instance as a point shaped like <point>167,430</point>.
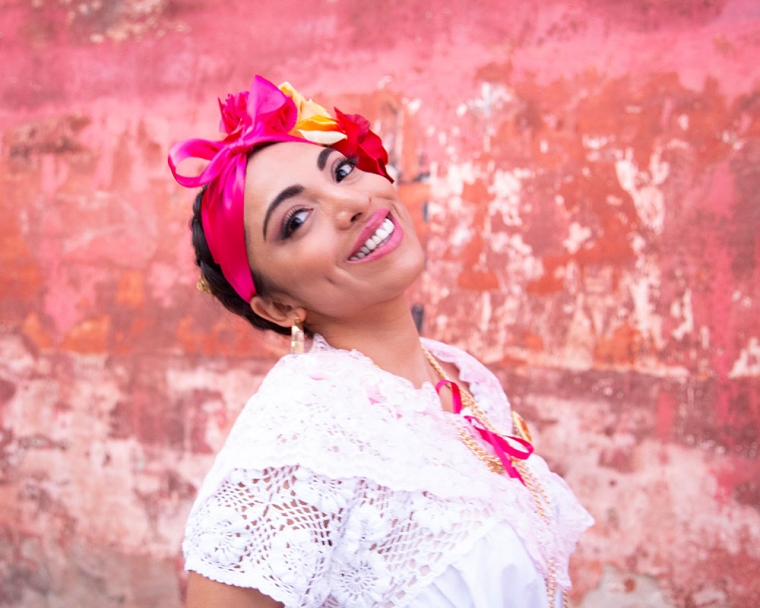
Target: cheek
<point>311,262</point>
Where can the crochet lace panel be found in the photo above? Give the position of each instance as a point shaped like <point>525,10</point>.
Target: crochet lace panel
<point>343,485</point>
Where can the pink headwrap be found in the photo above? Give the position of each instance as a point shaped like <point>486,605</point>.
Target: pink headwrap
<point>265,114</point>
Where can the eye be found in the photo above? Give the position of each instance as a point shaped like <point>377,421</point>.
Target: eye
<point>343,168</point>
<point>293,221</point>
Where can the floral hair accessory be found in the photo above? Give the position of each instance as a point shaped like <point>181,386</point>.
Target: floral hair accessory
<point>265,114</point>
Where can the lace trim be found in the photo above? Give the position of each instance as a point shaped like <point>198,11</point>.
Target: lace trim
<point>307,540</point>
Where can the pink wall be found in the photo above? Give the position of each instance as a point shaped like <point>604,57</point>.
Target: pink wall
<point>590,171</point>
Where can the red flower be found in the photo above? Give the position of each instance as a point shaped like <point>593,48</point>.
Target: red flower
<point>234,110</point>
<point>362,144</point>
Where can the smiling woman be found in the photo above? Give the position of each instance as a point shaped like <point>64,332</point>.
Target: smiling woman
<point>379,468</point>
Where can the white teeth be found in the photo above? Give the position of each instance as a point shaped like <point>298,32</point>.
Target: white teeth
<point>381,234</point>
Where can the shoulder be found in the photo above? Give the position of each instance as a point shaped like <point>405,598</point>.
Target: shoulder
<point>484,385</point>
<point>301,387</point>
<point>309,409</point>
<point>470,369</point>
<point>454,355</point>
<point>308,381</point>
<point>322,363</point>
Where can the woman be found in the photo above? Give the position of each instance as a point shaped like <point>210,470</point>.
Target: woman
<point>376,469</point>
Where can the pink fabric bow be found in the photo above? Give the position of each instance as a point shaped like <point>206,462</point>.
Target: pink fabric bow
<point>506,447</point>
<point>262,115</point>
<point>250,118</point>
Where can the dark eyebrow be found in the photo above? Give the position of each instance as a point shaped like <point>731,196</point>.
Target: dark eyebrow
<point>322,158</point>
<point>289,192</point>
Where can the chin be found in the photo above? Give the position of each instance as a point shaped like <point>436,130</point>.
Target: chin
<point>410,266</point>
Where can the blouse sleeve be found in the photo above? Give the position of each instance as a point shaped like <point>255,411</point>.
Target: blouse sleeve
<point>272,530</point>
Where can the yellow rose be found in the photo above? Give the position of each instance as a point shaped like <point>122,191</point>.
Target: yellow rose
<point>314,122</point>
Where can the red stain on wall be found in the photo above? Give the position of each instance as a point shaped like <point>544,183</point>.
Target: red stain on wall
<point>666,414</point>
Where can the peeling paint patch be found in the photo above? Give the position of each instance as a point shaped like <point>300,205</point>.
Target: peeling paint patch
<point>748,363</point>
<point>644,187</point>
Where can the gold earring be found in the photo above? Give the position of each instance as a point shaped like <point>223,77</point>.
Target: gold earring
<point>203,285</point>
<point>296,337</point>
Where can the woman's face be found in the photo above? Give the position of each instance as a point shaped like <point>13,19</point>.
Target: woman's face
<point>327,236</point>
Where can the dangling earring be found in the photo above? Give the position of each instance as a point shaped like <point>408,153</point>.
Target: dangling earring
<point>296,337</point>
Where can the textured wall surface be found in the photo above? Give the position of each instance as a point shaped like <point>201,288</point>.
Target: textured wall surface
<point>585,175</point>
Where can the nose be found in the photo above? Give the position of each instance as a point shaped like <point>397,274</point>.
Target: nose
<point>350,206</point>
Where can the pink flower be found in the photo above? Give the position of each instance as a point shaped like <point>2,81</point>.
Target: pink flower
<point>234,111</point>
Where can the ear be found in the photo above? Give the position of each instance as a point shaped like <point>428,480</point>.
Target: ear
<point>279,313</point>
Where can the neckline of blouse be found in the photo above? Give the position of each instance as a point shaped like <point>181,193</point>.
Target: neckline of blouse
<point>444,352</point>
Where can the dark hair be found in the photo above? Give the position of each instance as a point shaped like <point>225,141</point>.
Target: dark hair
<point>219,286</point>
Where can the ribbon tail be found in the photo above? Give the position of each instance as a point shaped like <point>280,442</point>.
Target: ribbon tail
<point>504,448</point>
<point>456,394</point>
<point>506,461</point>
<point>216,152</point>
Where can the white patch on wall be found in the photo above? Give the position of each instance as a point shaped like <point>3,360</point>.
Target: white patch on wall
<point>704,336</point>
<point>461,235</point>
<point>732,138</point>
<point>748,363</point>
<point>413,105</point>
<point>577,235</point>
<point>638,244</point>
<point>594,143</point>
<point>506,187</point>
<point>492,97</point>
<point>453,184</point>
<point>641,288</point>
<point>643,186</point>
<point>682,309</point>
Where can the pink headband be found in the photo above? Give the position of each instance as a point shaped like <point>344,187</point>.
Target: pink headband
<point>265,114</point>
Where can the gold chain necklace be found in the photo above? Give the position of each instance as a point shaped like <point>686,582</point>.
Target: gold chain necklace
<point>540,497</point>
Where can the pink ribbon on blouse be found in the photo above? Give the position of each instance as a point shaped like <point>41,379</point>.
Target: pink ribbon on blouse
<point>503,446</point>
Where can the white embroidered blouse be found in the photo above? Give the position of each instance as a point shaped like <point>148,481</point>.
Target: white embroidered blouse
<point>342,485</point>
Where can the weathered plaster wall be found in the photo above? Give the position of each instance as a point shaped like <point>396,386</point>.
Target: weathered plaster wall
<point>585,174</point>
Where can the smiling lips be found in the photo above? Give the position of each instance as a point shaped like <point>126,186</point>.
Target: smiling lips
<point>380,236</point>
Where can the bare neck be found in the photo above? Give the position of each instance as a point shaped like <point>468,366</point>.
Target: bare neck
<point>386,334</point>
